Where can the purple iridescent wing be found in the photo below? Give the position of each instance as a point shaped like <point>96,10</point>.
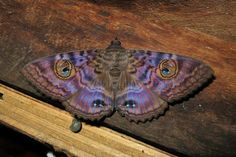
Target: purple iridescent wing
<point>71,79</point>
<point>158,78</point>
<point>138,103</point>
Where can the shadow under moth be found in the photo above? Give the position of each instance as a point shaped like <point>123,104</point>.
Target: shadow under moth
<point>93,84</point>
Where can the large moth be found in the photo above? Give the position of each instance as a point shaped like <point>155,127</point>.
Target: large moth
<point>139,84</point>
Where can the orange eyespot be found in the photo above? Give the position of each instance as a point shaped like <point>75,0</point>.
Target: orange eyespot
<point>64,69</point>
<point>168,69</point>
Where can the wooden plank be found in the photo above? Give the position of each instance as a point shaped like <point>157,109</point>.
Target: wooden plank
<point>48,124</point>
<point>204,125</point>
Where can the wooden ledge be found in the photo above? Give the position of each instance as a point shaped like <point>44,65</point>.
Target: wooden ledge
<point>48,124</point>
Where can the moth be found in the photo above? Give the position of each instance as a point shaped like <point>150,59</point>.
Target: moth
<point>93,84</point>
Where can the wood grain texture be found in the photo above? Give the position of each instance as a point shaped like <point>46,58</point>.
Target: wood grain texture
<point>216,18</point>
<point>50,125</point>
<point>204,125</point>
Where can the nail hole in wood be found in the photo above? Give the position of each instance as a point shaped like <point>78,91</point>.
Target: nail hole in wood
<point>1,96</point>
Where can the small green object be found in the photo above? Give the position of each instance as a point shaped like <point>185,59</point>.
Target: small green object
<point>76,125</point>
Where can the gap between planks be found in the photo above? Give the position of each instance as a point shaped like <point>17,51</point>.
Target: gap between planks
<point>50,125</point>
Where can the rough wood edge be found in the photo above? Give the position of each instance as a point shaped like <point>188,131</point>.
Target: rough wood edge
<point>50,125</point>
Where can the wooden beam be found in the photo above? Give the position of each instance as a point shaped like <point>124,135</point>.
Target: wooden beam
<point>50,125</point>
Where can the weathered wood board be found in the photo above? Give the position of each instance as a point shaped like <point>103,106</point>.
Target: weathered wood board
<point>50,125</point>
<point>204,125</point>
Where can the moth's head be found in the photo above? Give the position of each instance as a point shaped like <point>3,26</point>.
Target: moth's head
<point>179,76</point>
<point>115,44</point>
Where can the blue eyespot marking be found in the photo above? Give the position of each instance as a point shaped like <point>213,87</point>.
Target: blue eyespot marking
<point>165,71</point>
<point>130,104</point>
<point>168,68</point>
<point>98,103</point>
<point>65,71</point>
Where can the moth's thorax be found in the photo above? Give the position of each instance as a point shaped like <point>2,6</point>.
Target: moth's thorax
<point>115,61</point>
<point>116,64</point>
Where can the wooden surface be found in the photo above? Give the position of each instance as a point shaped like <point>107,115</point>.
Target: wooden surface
<point>50,125</point>
<point>204,125</point>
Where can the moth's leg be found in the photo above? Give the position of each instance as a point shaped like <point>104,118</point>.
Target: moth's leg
<point>76,125</point>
